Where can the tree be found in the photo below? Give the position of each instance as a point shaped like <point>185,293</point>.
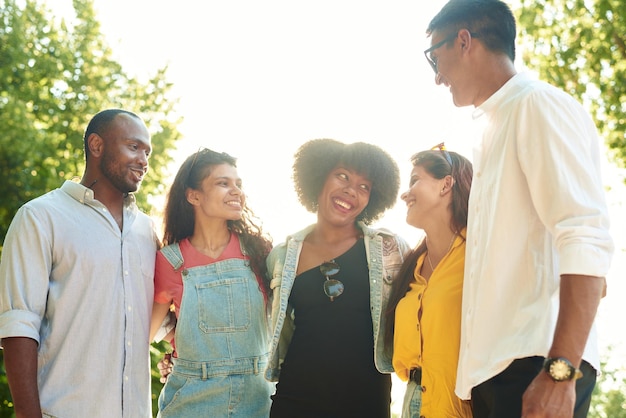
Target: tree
<point>580,46</point>
<point>54,76</point>
<point>609,396</point>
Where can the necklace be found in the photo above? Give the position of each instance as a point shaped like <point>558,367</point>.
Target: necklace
<point>430,263</point>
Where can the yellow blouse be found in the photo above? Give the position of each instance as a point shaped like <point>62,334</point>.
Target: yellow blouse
<point>432,340</point>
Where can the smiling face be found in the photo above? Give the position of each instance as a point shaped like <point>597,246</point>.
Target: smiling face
<point>124,160</point>
<point>220,195</point>
<point>344,196</point>
<point>455,70</point>
<point>424,200</point>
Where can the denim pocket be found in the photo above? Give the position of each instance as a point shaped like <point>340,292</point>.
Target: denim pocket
<point>171,393</point>
<point>224,305</point>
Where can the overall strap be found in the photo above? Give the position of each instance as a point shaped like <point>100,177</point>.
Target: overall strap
<point>173,255</point>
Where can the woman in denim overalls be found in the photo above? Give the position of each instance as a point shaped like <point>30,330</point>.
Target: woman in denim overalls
<point>213,270</point>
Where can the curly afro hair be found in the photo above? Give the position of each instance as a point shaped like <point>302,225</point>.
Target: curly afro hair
<point>316,158</point>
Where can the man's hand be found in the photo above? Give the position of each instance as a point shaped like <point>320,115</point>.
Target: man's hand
<point>546,398</point>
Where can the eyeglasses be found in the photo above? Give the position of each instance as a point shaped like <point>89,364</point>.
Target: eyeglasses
<point>442,147</point>
<point>427,53</point>
<point>332,287</point>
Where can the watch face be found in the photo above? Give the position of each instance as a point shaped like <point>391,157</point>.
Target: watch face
<point>560,370</point>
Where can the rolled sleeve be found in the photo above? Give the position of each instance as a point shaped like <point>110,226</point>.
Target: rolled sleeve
<point>589,259</point>
<point>559,160</point>
<point>18,323</point>
<point>24,276</point>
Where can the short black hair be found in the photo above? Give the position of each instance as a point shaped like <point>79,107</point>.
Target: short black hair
<point>101,122</point>
<point>492,21</point>
<point>316,158</point>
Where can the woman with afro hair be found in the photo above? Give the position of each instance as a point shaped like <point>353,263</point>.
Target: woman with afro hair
<point>330,284</point>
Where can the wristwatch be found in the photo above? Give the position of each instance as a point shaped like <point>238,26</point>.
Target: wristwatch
<point>561,369</point>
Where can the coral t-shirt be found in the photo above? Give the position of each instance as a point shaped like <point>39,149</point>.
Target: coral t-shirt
<point>168,283</point>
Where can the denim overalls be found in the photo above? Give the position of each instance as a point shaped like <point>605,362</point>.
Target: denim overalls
<point>221,343</point>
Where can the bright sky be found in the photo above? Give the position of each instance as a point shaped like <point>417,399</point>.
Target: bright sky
<point>259,78</point>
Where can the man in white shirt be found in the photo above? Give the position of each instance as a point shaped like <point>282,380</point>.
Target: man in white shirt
<point>538,244</point>
<point>76,285</point>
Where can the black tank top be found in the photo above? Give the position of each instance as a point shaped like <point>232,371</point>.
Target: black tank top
<point>329,367</point>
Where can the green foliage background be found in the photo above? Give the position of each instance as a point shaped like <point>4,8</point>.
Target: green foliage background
<point>609,395</point>
<point>580,46</point>
<point>54,76</point>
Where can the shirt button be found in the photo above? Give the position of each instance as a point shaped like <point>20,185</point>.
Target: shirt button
<point>130,308</point>
<point>423,388</point>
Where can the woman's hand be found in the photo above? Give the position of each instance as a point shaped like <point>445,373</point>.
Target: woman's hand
<point>165,367</point>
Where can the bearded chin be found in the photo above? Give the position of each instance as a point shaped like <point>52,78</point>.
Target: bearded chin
<point>114,172</point>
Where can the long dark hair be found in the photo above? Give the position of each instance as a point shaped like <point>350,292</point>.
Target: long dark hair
<point>435,163</point>
<point>179,219</point>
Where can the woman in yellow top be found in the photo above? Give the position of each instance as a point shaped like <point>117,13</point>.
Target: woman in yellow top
<point>426,297</point>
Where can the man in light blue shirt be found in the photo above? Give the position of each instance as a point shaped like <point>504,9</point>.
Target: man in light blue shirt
<point>76,285</point>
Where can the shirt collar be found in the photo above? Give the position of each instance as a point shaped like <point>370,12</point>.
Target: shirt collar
<point>85,195</point>
<point>495,100</point>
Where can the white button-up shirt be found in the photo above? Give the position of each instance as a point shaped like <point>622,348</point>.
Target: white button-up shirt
<point>537,210</point>
<point>83,289</point>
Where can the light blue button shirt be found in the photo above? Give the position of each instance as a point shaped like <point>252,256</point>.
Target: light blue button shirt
<point>83,289</point>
